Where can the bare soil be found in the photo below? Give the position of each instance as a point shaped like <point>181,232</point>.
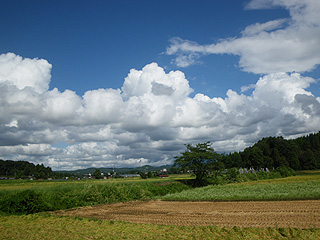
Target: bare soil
<point>299,214</point>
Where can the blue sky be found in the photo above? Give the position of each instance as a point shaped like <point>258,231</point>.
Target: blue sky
<point>60,53</point>
<point>94,45</point>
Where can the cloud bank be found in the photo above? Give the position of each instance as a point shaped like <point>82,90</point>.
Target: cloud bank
<point>147,121</point>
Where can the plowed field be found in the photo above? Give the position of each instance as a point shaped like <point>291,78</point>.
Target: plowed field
<point>300,214</point>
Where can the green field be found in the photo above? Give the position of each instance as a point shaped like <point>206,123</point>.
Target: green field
<point>290,188</point>
<point>67,194</point>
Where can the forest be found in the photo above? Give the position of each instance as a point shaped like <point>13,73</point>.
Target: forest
<point>24,169</point>
<point>302,153</point>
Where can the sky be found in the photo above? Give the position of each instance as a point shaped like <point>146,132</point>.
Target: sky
<point>128,83</point>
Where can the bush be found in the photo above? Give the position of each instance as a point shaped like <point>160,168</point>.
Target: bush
<point>263,175</point>
<point>24,202</point>
<point>286,171</point>
<point>143,175</point>
<point>217,179</point>
<point>232,175</point>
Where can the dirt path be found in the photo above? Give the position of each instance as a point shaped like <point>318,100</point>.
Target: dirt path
<point>300,214</point>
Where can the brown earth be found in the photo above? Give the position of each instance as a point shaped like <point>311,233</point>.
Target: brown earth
<point>300,214</point>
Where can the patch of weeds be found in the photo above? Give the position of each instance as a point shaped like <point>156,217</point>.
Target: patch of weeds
<point>236,229</point>
<point>283,232</point>
<point>24,202</point>
<point>93,219</point>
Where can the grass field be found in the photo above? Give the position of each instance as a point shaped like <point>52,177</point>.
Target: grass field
<point>290,188</point>
<point>44,226</point>
<point>28,184</point>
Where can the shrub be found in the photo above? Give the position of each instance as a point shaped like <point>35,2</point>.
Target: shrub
<point>232,175</point>
<point>217,179</point>
<point>263,175</point>
<point>285,171</point>
<point>24,202</point>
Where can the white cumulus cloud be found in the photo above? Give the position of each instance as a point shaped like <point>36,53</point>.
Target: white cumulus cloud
<point>22,73</point>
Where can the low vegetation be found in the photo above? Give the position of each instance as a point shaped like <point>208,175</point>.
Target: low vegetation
<point>46,197</point>
<point>290,188</point>
<point>39,226</point>
<point>25,197</point>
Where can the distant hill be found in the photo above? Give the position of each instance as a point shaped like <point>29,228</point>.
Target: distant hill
<point>145,168</point>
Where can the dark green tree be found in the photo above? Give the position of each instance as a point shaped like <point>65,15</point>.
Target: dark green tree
<point>200,159</point>
<point>143,175</point>
<point>149,174</point>
<point>97,174</point>
<point>256,158</point>
<point>293,160</point>
<point>308,160</point>
<point>236,159</point>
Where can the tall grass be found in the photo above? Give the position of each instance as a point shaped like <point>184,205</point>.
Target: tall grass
<point>65,196</point>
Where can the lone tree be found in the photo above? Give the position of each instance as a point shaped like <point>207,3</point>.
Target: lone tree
<point>97,174</point>
<point>201,159</point>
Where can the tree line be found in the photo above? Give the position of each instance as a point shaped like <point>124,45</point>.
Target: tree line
<point>24,169</point>
<point>272,153</point>
<point>302,153</point>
